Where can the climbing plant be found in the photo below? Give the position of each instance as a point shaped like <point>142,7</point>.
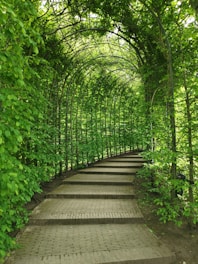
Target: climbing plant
<point>28,153</point>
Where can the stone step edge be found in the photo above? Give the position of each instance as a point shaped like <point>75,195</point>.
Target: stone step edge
<point>105,172</point>
<point>81,221</point>
<point>116,167</point>
<point>123,161</point>
<point>72,182</point>
<point>87,196</point>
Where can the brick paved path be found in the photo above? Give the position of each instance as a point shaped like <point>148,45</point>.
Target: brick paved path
<point>92,217</point>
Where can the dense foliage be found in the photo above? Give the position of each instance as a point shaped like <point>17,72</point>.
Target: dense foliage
<point>84,80</point>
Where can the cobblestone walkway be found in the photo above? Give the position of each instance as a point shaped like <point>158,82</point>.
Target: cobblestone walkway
<point>92,217</point>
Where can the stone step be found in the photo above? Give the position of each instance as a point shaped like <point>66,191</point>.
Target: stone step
<point>130,155</point>
<point>97,183</point>
<point>83,221</point>
<point>123,171</point>
<point>110,164</point>
<point>89,196</point>
<point>102,179</point>
<point>81,211</point>
<point>77,189</point>
<point>125,159</point>
<point>90,244</point>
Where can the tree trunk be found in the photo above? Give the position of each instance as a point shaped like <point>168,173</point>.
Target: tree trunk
<point>190,151</point>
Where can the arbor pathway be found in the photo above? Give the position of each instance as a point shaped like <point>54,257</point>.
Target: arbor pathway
<point>92,217</point>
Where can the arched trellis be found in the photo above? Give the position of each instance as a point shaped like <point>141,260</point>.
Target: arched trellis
<point>92,126</point>
<point>99,117</point>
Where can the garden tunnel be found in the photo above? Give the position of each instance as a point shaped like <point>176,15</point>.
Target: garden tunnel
<point>84,80</point>
<point>101,110</point>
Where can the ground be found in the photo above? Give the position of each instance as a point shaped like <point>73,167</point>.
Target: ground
<point>182,241</point>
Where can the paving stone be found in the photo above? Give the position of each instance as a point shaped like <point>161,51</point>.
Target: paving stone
<point>90,244</point>
<point>86,211</point>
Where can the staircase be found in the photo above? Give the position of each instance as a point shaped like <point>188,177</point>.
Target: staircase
<point>92,217</point>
